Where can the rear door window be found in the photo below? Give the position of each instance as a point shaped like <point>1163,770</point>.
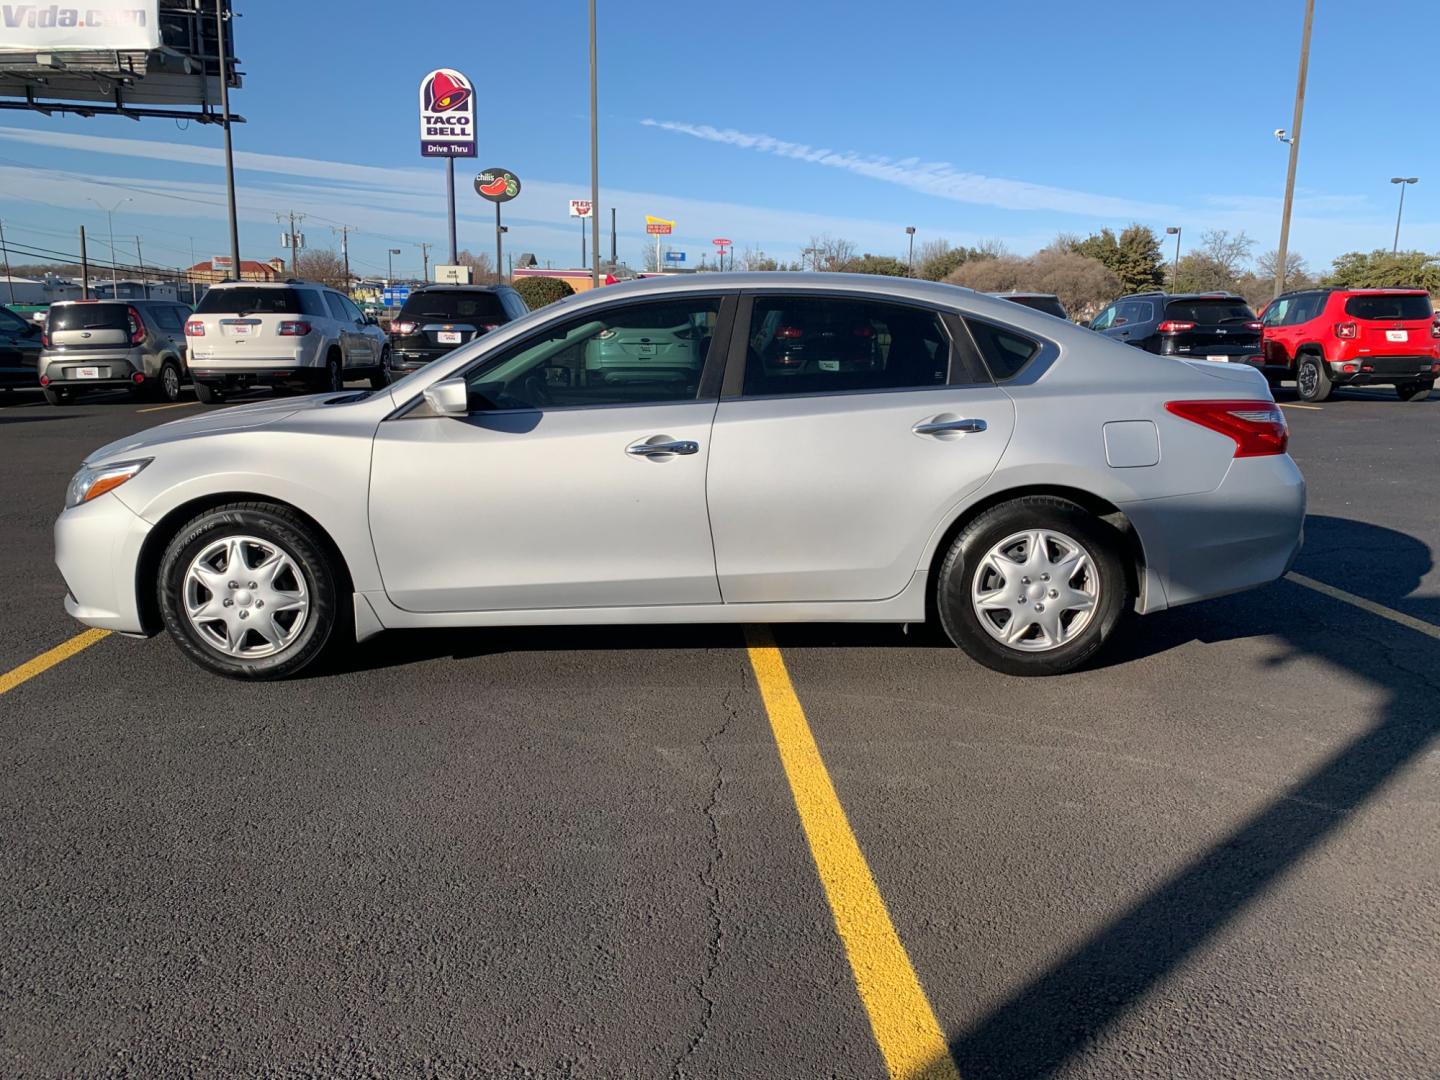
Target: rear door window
<point>814,344</point>
<point>337,309</point>
<point>166,318</point>
<point>311,304</point>
<point>1393,307</point>
<point>1208,312</point>
<point>252,301</point>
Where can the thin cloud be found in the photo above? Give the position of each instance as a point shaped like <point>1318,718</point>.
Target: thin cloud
<point>938,178</point>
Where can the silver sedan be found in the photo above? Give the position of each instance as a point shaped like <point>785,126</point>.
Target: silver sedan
<point>723,449</point>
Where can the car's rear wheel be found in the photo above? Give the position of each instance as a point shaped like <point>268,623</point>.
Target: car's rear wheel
<point>1414,391</point>
<point>334,379</point>
<point>208,393</point>
<point>1034,586</point>
<point>381,378</point>
<point>167,384</point>
<point>58,397</point>
<point>1312,381</point>
<point>248,591</point>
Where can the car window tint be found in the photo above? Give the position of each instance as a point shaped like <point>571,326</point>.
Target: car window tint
<point>1006,352</point>
<point>1209,312</point>
<point>11,322</point>
<point>629,355</point>
<point>1104,320</point>
<point>805,345</point>
<point>165,317</point>
<point>1305,308</point>
<point>1389,306</point>
<point>352,312</point>
<point>337,310</point>
<point>454,306</point>
<point>311,304</point>
<point>1276,312</point>
<point>253,301</point>
<point>107,315</point>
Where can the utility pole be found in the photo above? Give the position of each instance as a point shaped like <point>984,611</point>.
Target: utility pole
<point>425,256</point>
<point>1283,250</point>
<point>293,240</point>
<point>144,281</point>
<point>344,231</point>
<point>613,260</point>
<point>84,267</point>
<point>229,147</point>
<point>6,252</point>
<point>594,158</point>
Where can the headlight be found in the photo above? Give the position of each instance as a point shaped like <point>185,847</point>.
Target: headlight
<point>93,481</point>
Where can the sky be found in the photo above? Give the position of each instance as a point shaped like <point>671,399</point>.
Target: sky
<point>768,123</point>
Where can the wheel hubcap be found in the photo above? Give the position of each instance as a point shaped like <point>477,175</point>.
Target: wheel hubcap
<point>1035,590</point>
<point>246,597</point>
<point>172,382</point>
<point>1307,379</point>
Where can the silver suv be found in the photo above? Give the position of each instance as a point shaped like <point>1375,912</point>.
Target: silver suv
<point>291,333</point>
<point>95,344</point>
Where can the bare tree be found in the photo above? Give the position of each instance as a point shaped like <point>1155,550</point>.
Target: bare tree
<point>326,267</point>
<point>1081,283</point>
<point>830,252</point>
<point>1295,268</point>
<point>1229,252</point>
<point>752,258</point>
<point>482,269</point>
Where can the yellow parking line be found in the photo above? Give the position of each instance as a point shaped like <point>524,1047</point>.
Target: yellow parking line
<point>1429,629</point>
<point>1293,405</point>
<point>905,1027</point>
<point>175,405</point>
<point>46,660</point>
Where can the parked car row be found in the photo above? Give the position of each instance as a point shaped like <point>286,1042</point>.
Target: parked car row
<point>1320,338</point>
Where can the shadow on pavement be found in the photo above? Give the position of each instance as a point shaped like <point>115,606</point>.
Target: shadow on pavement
<point>33,418</point>
<point>1048,1021</point>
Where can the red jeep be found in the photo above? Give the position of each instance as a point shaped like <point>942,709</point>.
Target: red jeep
<point>1323,338</point>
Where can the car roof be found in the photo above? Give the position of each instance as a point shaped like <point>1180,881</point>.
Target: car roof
<point>458,288</point>
<point>286,284</point>
<point>1028,295</point>
<point>1216,295</point>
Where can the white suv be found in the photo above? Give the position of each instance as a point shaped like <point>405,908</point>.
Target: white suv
<point>247,333</point>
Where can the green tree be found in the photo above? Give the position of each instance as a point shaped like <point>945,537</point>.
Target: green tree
<point>877,264</point>
<point>539,291</point>
<point>1133,256</point>
<point>1380,270</point>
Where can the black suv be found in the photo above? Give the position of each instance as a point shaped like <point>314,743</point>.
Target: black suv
<point>1201,326</point>
<point>439,318</point>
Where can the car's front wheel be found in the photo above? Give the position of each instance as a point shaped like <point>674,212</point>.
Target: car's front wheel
<point>1034,586</point>
<point>208,393</point>
<point>381,378</point>
<point>248,590</point>
<point>167,386</point>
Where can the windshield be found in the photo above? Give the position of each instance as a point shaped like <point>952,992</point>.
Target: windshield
<point>249,300</point>
<point>1391,306</point>
<point>1209,312</point>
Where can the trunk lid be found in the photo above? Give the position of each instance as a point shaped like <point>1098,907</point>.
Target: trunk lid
<point>91,325</point>
<point>1394,323</point>
<point>1212,326</point>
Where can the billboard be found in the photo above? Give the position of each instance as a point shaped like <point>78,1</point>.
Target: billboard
<point>656,226</point>
<point>580,208</point>
<point>447,115</point>
<point>77,27</point>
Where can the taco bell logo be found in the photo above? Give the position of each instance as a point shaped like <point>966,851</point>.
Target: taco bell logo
<point>447,115</point>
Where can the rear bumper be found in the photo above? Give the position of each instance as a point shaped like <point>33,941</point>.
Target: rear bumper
<point>1243,534</point>
<point>97,549</point>
<point>119,369</point>
<point>252,375</point>
<point>1381,369</point>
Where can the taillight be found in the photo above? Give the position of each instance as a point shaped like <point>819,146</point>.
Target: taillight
<point>1258,427</point>
<point>789,333</point>
<point>1347,330</point>
<point>1173,326</point>
<point>485,328</point>
<point>137,327</point>
<point>1257,325</point>
<point>294,328</point>
<point>194,328</point>
<point>398,327</point>
<point>1435,329</point>
<point>44,335</point>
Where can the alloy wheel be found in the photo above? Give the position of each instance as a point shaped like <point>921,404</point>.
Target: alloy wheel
<point>1035,590</point>
<point>246,597</point>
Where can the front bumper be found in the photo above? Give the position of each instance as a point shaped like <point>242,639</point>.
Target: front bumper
<point>1243,534</point>
<point>97,549</point>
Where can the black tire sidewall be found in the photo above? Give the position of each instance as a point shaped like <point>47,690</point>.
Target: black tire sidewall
<point>1323,384</point>
<point>206,393</point>
<point>952,589</point>
<point>268,523</point>
<point>166,368</point>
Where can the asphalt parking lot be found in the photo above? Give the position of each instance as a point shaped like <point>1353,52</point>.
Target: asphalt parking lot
<point>594,853</point>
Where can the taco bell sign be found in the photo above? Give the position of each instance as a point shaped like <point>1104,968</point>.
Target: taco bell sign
<point>447,115</point>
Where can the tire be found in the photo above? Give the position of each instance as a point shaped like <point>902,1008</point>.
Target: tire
<point>1312,381</point>
<point>58,397</point>
<point>1414,391</point>
<point>208,393</point>
<point>332,381</point>
<point>381,378</point>
<point>167,384</point>
<point>1003,532</point>
<point>267,646</point>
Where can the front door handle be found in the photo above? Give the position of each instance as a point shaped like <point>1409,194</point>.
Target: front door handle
<point>663,446</point>
<point>949,424</point>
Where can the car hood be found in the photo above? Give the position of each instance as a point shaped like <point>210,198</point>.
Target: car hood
<point>236,418</point>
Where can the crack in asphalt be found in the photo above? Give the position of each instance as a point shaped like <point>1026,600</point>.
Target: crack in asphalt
<point>712,886</point>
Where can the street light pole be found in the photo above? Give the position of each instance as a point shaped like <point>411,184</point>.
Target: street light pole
<point>390,254</point>
<point>1174,230</point>
<point>1294,149</point>
<point>1404,182</point>
<point>594,160</point>
<point>229,147</point>
<point>910,259</point>
<point>110,219</point>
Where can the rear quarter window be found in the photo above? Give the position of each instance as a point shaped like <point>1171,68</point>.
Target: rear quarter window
<point>1394,307</point>
<point>1005,352</point>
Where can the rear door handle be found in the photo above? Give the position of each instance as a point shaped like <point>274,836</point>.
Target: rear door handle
<point>945,424</point>
<point>663,446</point>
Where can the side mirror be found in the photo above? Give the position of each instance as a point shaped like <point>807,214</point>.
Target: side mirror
<point>449,397</point>
<point>369,320</point>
